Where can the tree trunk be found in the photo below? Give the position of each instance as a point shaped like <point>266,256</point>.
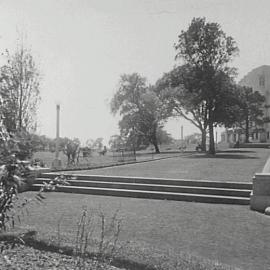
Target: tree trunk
<point>21,91</point>
<point>155,143</point>
<point>134,141</point>
<point>156,148</point>
<point>203,141</point>
<point>212,149</point>
<point>247,130</point>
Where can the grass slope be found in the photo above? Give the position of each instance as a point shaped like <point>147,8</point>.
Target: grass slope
<point>233,235</point>
<point>233,165</point>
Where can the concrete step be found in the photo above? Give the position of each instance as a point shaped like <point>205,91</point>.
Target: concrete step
<point>254,145</point>
<point>157,187</point>
<point>151,194</point>
<point>155,181</point>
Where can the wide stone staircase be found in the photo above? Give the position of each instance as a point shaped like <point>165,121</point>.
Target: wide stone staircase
<point>153,188</point>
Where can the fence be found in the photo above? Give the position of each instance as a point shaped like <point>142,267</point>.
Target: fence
<point>123,155</point>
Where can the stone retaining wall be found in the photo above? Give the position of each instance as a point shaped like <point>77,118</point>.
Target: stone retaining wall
<point>260,197</point>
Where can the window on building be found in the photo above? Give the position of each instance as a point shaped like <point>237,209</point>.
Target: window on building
<point>262,81</point>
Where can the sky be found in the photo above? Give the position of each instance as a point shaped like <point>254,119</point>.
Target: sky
<point>82,47</point>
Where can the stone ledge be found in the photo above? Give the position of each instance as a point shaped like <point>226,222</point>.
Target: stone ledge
<point>261,184</point>
<point>260,198</point>
<point>259,203</point>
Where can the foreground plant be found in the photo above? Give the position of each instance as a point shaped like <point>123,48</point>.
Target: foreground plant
<point>96,238</point>
<point>16,176</point>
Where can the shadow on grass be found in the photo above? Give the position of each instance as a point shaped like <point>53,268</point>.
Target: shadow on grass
<point>236,151</point>
<point>161,153</point>
<point>69,251</point>
<point>177,152</point>
<point>221,156</point>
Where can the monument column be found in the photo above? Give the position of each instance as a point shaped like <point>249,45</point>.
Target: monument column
<point>182,138</point>
<point>57,160</point>
<point>182,134</point>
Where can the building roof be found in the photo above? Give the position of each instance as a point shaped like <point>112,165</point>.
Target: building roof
<point>255,76</point>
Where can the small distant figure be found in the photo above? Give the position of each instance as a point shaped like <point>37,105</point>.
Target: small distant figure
<point>86,151</point>
<point>237,145</point>
<point>103,152</point>
<point>198,148</point>
<point>183,147</point>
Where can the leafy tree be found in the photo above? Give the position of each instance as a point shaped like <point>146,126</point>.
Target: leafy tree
<point>206,50</point>
<point>16,176</point>
<point>128,143</point>
<point>44,142</point>
<point>19,88</point>
<point>249,109</point>
<point>51,143</point>
<point>72,150</point>
<point>117,142</point>
<point>96,144</point>
<point>141,109</point>
<point>194,138</point>
<point>39,142</point>
<point>22,143</point>
<point>180,91</point>
<point>62,142</point>
<point>164,137</point>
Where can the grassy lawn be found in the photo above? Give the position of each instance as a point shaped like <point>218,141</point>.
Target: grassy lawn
<point>96,160</point>
<point>232,165</point>
<point>233,235</point>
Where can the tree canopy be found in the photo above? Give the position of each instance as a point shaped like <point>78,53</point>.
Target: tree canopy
<point>180,91</point>
<point>248,109</point>
<point>95,145</point>
<point>206,51</point>
<point>19,88</point>
<point>141,109</point>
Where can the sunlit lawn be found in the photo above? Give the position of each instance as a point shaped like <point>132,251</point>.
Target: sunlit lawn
<point>232,235</point>
<point>232,165</point>
<point>109,158</point>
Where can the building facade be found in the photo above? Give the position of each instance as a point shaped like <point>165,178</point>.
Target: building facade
<point>259,80</point>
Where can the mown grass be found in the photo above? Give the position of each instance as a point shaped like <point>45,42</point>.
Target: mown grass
<point>96,160</point>
<point>173,235</point>
<point>231,165</point>
<point>166,232</point>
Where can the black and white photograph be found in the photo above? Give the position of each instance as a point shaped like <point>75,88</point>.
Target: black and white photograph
<point>134,134</point>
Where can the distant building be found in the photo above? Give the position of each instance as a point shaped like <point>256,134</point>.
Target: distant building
<point>259,80</point>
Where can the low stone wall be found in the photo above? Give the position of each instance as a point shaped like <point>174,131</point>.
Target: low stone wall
<point>260,197</point>
<point>34,173</point>
<point>254,145</point>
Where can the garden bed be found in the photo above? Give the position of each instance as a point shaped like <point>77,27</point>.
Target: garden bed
<point>24,257</point>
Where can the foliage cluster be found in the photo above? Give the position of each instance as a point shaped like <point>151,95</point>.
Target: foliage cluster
<point>201,88</point>
<point>19,91</point>
<point>16,176</point>
<point>143,112</point>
